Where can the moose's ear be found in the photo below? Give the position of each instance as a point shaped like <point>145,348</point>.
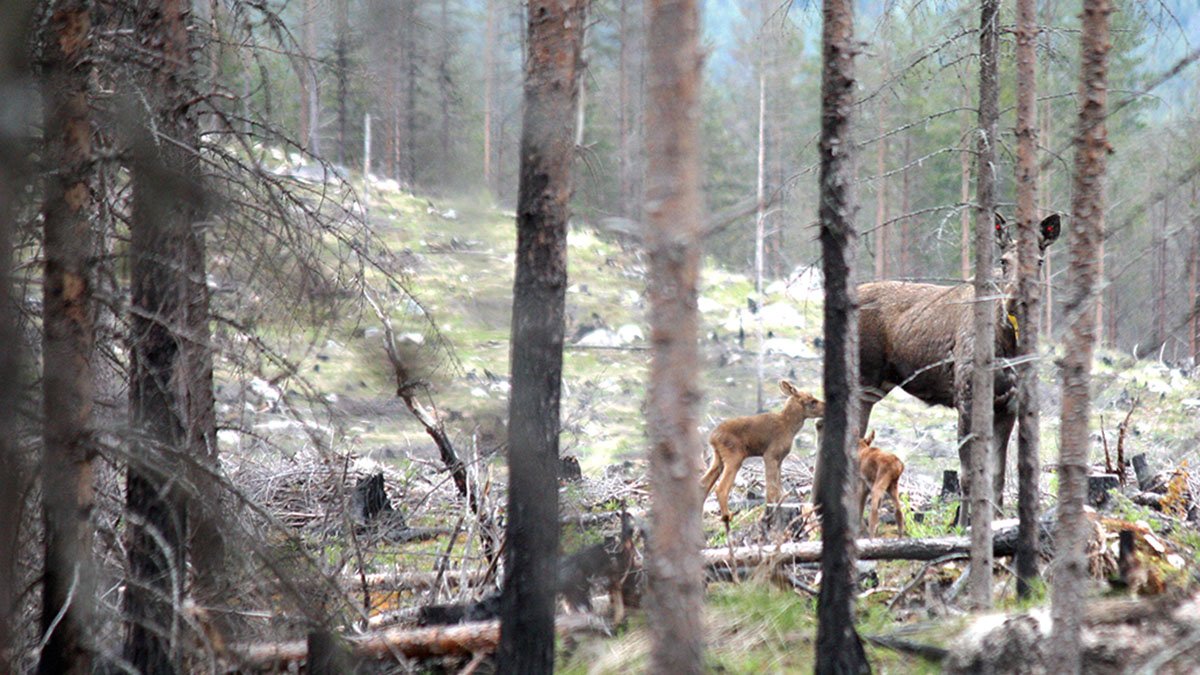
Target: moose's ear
<point>788,388</point>
<point>1003,238</point>
<point>1049,230</point>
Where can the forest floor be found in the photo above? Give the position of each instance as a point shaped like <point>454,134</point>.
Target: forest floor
<point>457,260</point>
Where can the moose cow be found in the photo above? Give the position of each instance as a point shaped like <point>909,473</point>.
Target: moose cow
<point>920,337</point>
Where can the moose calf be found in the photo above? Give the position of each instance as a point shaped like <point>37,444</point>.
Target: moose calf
<point>880,471</point>
<point>767,435</point>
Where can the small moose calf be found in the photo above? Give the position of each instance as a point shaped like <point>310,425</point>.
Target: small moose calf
<point>768,435</point>
<point>880,472</point>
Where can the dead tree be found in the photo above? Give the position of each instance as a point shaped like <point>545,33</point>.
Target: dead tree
<point>1028,299</point>
<point>68,339</point>
<point>839,649</point>
<point>539,296</point>
<point>1087,204</point>
<point>674,218</point>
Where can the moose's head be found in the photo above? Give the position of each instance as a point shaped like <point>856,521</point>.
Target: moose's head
<point>1048,231</point>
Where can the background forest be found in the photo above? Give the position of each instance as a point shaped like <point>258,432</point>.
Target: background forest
<point>290,226</point>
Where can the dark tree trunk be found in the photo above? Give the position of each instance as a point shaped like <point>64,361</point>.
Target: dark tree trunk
<point>68,339</point>
<point>1087,231</point>
<point>673,216</point>
<point>539,294</point>
<point>170,364</point>
<point>15,104</point>
<point>839,649</point>
<point>1028,300</point>
<point>977,460</point>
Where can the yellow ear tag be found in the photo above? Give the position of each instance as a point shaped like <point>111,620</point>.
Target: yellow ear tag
<point>1012,320</point>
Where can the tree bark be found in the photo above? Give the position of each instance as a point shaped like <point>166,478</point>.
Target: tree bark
<point>68,339</point>
<point>539,294</point>
<point>839,649</point>
<point>1028,299</point>
<point>1087,205</point>
<point>979,466</point>
<point>674,219</point>
<point>624,159</point>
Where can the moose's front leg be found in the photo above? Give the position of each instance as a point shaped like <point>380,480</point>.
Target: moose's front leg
<point>1002,426</point>
<point>962,403</point>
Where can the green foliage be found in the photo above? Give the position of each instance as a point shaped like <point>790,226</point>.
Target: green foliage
<point>938,520</point>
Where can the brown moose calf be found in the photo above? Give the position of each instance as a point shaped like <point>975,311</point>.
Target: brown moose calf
<point>880,471</point>
<point>767,435</point>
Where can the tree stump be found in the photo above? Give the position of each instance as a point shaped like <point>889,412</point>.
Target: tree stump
<point>1098,486</point>
<point>369,498</point>
<point>791,517</point>
<point>1141,468</point>
<point>951,488</point>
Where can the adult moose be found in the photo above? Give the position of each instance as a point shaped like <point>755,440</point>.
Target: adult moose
<point>920,337</point>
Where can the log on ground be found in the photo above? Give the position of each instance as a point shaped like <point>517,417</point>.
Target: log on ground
<point>414,643</point>
<point>1004,539</point>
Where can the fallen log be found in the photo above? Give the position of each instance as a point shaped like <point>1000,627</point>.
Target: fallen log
<point>412,581</point>
<point>1004,539</point>
<point>414,643</point>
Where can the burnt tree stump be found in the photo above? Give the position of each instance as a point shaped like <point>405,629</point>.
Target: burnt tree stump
<point>951,488</point>
<point>1098,486</point>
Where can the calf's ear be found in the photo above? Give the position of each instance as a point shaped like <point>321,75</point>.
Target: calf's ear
<point>788,388</point>
<point>1049,229</point>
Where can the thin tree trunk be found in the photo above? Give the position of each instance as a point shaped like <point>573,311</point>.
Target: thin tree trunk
<point>1087,205</point>
<point>489,95</point>
<point>881,199</point>
<point>760,218</point>
<point>411,51</point>
<point>906,266</point>
<point>965,193</point>
<point>1194,280</point>
<point>839,649</point>
<point>673,217</point>
<point>1160,274</point>
<point>539,294</point>
<point>979,474</point>
<point>342,58</point>
<point>68,339</point>
<point>444,90</point>
<point>1047,120</point>
<point>1028,292</point>
<point>307,76</point>
<point>624,162</point>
